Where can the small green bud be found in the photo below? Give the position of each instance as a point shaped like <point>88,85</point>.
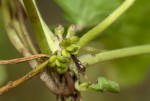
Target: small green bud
<point>85,84</point>
<point>74,39</point>
<point>53,64</point>
<point>58,63</point>
<point>71,31</point>
<point>61,71</point>
<point>63,59</point>
<point>59,30</point>
<point>75,53</point>
<point>53,58</point>
<point>75,46</point>
<point>65,53</point>
<point>70,49</point>
<point>65,43</point>
<point>64,66</point>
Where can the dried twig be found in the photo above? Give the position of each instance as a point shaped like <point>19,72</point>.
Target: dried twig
<point>27,58</point>
<point>23,79</point>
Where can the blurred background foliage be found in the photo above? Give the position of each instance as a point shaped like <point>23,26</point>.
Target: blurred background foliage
<point>132,28</point>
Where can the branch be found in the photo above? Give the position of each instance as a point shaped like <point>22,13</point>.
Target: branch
<point>97,30</point>
<point>91,59</point>
<point>16,41</point>
<point>25,78</point>
<point>24,59</point>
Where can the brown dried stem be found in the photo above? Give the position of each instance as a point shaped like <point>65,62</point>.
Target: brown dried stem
<point>23,79</point>
<point>24,59</point>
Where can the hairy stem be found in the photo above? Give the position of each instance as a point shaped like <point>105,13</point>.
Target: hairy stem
<point>97,30</point>
<point>91,59</point>
<point>23,79</point>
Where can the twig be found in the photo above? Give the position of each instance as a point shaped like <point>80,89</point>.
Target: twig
<point>24,59</point>
<point>23,79</point>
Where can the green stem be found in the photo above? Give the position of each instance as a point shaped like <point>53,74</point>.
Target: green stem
<point>97,30</point>
<point>91,59</point>
<point>46,40</point>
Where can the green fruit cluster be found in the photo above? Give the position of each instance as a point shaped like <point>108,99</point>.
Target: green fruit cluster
<point>70,46</point>
<point>60,63</point>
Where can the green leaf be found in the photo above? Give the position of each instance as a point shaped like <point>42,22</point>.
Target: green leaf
<point>130,30</point>
<point>104,84</point>
<point>85,13</point>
